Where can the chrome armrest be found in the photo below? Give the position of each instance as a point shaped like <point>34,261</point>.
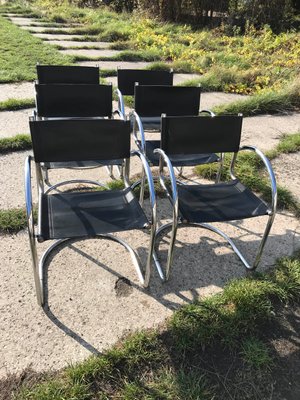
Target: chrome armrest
<point>164,160</point>
<point>269,168</point>
<point>138,128</point>
<point>121,115</point>
<point>121,106</point>
<point>211,113</point>
<point>148,174</point>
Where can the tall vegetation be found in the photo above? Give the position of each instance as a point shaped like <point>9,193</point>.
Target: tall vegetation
<point>212,12</point>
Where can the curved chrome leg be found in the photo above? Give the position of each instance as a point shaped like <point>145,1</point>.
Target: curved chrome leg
<point>165,276</point>
<point>109,169</point>
<point>39,267</point>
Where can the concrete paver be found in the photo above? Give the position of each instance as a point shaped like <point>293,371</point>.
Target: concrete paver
<point>41,29</point>
<point>14,122</point>
<point>57,36</point>
<point>73,43</point>
<point>22,90</point>
<point>266,131</point>
<point>90,52</point>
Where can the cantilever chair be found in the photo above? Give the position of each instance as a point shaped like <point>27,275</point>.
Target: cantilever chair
<point>66,74</point>
<point>153,101</point>
<point>84,214</point>
<point>200,205</point>
<point>74,101</point>
<point>127,78</point>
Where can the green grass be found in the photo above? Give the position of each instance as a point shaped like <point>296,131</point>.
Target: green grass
<point>265,103</point>
<point>12,220</point>
<point>20,52</point>
<point>166,364</point>
<point>16,104</point>
<point>16,143</point>
<point>256,354</point>
<point>249,170</point>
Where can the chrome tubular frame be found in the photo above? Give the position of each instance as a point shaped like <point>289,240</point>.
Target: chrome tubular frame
<point>31,231</point>
<point>138,126</point>
<point>121,106</point>
<point>173,197</point>
<point>147,174</point>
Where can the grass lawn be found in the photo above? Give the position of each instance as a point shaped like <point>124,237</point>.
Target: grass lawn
<point>20,52</point>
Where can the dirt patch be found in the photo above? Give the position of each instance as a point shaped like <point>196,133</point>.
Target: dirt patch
<point>123,287</point>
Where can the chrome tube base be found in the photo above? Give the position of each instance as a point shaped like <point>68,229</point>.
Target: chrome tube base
<point>164,275</point>
<point>38,267</point>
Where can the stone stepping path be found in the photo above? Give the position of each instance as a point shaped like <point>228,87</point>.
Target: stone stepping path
<point>14,122</point>
<point>23,21</point>
<point>177,80</point>
<point>60,37</point>
<point>23,90</point>
<point>41,29</point>
<point>265,131</point>
<point>73,43</point>
<point>116,64</point>
<point>93,53</point>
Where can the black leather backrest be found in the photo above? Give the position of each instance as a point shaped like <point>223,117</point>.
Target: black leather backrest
<point>152,101</point>
<point>128,77</point>
<point>80,140</point>
<point>59,100</point>
<point>67,74</point>
<point>196,135</point>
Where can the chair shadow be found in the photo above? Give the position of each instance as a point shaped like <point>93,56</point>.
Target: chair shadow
<point>185,288</point>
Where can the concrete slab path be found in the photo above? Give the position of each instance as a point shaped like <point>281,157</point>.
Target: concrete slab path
<point>41,29</point>
<point>73,43</point>
<point>93,53</point>
<point>22,90</point>
<point>56,36</point>
<point>14,122</point>
<point>116,64</point>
